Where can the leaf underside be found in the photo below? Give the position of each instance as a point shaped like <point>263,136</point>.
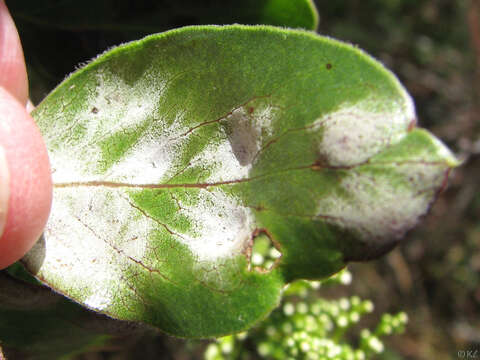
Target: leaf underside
<point>172,154</point>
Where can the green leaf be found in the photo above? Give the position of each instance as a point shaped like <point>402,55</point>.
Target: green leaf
<point>172,154</point>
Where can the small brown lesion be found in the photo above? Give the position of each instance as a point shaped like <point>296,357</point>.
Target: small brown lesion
<point>321,161</point>
<point>94,110</point>
<point>329,66</point>
<point>319,164</point>
<point>258,207</point>
<point>412,124</point>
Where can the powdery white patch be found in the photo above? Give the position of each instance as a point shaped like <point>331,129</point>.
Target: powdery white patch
<point>99,300</point>
<point>221,162</point>
<point>375,208</point>
<point>153,158</point>
<point>65,168</point>
<point>146,163</point>
<point>114,106</point>
<point>264,119</point>
<point>350,136</point>
<point>230,158</point>
<point>243,132</point>
<point>221,226</point>
<point>221,274</point>
<point>75,252</point>
<point>120,224</point>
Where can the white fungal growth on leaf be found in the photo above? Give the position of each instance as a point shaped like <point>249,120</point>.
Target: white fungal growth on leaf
<point>112,107</point>
<point>375,208</point>
<point>153,158</point>
<point>80,242</point>
<point>221,163</point>
<point>350,136</point>
<point>241,138</point>
<point>221,226</point>
<point>99,300</point>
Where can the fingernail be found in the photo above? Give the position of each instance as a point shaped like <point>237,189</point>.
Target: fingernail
<point>4,189</point>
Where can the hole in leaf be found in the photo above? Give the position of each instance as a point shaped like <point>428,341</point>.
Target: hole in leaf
<point>264,254</point>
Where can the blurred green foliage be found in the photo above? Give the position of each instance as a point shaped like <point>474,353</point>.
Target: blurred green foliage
<point>426,43</point>
<point>435,275</point>
<point>306,326</point>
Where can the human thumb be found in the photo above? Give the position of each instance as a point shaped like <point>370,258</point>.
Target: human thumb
<point>25,180</point>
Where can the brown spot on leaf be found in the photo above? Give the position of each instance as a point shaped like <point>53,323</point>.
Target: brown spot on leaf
<point>319,164</point>
<point>412,125</point>
<point>328,66</point>
<point>94,110</point>
<point>258,208</point>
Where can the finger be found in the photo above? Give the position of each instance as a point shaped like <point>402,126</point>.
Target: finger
<point>13,74</point>
<point>30,107</point>
<point>30,186</point>
<point>4,189</point>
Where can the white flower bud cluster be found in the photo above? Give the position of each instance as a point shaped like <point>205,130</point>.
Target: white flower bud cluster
<point>311,328</point>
